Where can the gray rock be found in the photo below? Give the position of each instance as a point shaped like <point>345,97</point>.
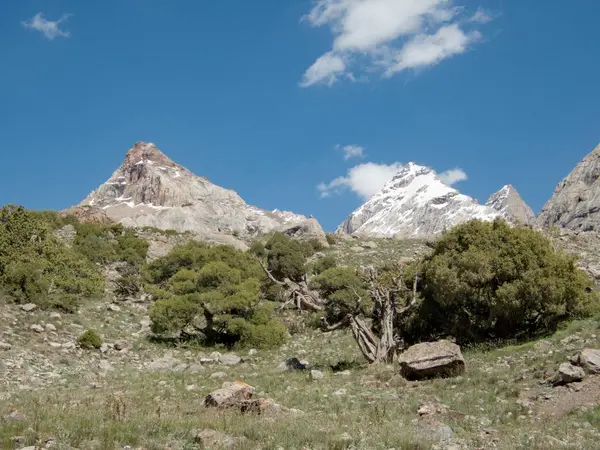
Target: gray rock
<point>105,366</point>
<point>50,327</point>
<point>307,230</point>
<point>55,316</point>
<point>316,375</point>
<point>217,439</point>
<point>432,359</point>
<point>218,375</point>
<point>5,346</point>
<point>231,394</point>
<point>575,203</point>
<point>28,307</point>
<point>230,359</point>
<point>370,245</point>
<point>589,359</point>
<point>568,373</point>
<point>434,429</point>
<point>121,345</point>
<point>37,328</point>
<point>104,347</point>
<point>66,235</point>
<point>114,308</point>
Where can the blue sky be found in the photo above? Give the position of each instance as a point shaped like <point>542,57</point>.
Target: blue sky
<point>268,97</point>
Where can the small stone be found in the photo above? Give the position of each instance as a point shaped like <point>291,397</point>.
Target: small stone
<point>104,347</point>
<point>105,366</point>
<point>5,346</point>
<point>37,328</point>
<point>217,375</point>
<point>252,352</point>
<point>191,387</point>
<point>55,316</point>
<point>343,440</point>
<point>589,359</point>
<point>230,359</point>
<point>340,392</point>
<point>14,416</point>
<point>316,375</point>
<point>343,373</point>
<point>216,439</point>
<point>49,327</point>
<point>195,368</point>
<point>55,344</point>
<point>69,345</point>
<point>121,345</point>
<point>28,307</point>
<point>114,308</point>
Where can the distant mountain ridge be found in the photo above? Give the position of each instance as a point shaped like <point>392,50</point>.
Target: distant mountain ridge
<point>149,189</point>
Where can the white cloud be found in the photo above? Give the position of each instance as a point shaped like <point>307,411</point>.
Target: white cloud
<point>367,179</point>
<point>50,29</point>
<point>481,16</point>
<point>428,50</point>
<point>351,151</point>
<point>453,176</point>
<point>325,69</point>
<point>364,180</point>
<point>388,36</point>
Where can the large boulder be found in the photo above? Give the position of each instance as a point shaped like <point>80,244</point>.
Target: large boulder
<point>567,373</point>
<point>589,359</point>
<point>230,395</point>
<point>432,359</point>
<point>308,230</point>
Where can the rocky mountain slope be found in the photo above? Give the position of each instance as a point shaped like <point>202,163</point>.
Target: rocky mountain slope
<point>149,189</point>
<point>415,203</point>
<point>513,208</point>
<point>575,204</point>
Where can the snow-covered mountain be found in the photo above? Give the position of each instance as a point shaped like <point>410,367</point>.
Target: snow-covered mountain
<point>415,203</point>
<point>149,189</point>
<point>513,208</point>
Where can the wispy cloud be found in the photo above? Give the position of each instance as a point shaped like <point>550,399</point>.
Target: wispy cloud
<point>50,29</point>
<point>351,151</point>
<point>388,36</point>
<point>453,176</point>
<point>367,179</point>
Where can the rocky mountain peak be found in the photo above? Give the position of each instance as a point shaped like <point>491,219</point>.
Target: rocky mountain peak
<point>149,189</point>
<point>575,203</point>
<point>511,205</point>
<point>146,153</point>
<point>415,203</point>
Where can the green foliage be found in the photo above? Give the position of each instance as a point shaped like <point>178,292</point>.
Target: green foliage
<point>487,281</point>
<point>287,257</point>
<point>322,264</point>
<point>89,339</point>
<point>258,249</point>
<point>36,267</point>
<point>214,291</point>
<point>105,244</point>
<point>345,293</point>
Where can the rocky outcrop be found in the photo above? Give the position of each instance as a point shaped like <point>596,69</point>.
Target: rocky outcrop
<point>415,203</point>
<point>576,201</point>
<point>308,230</point>
<point>87,214</point>
<point>431,359</point>
<point>149,189</point>
<point>511,206</point>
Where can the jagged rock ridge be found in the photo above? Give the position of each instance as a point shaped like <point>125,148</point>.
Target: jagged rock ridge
<point>415,203</point>
<point>575,204</point>
<point>511,206</point>
<point>149,189</point>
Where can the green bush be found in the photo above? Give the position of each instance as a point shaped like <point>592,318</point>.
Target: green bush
<point>36,267</point>
<point>345,293</point>
<point>489,281</point>
<point>286,257</point>
<point>322,264</point>
<point>89,339</point>
<point>331,239</point>
<point>214,293</point>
